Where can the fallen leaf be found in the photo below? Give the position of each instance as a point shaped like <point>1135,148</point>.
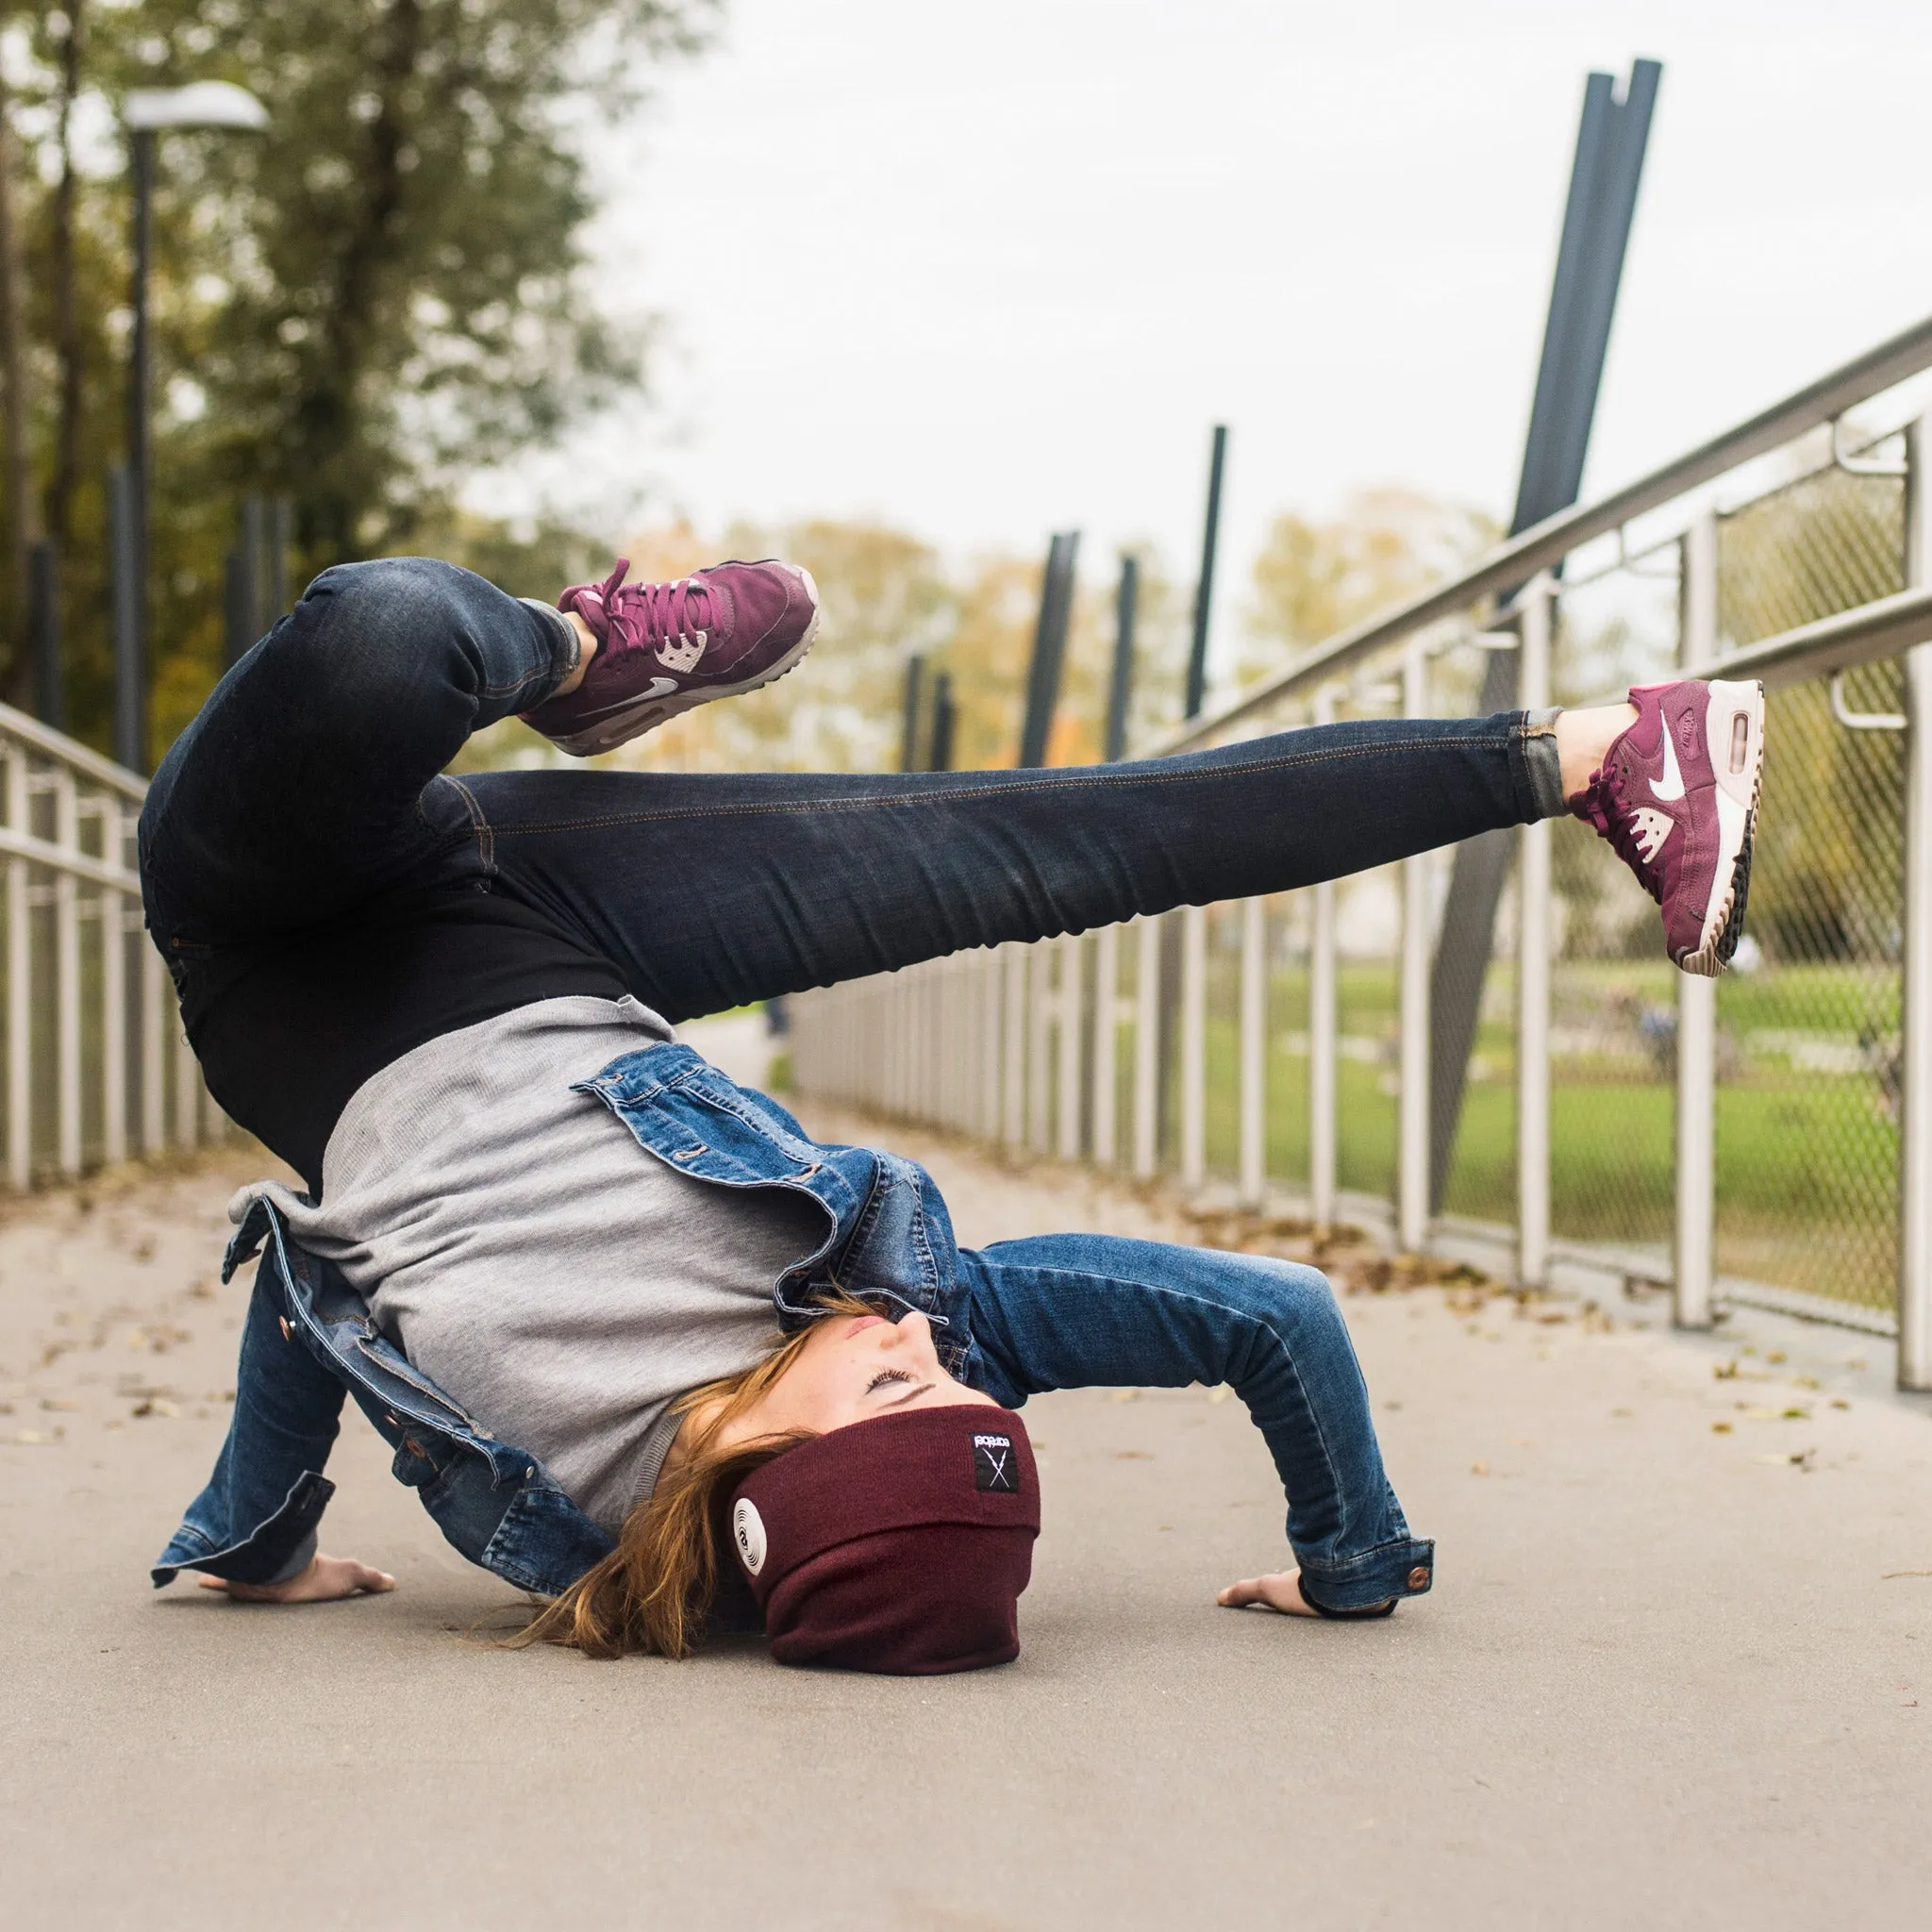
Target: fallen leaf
<point>1122,1394</point>
<point>58,1402</point>
<point>1624,1411</point>
<point>1777,1354</point>
<point>1806,1381</point>
<point>1478,1469</point>
<point>1839,1402</point>
<point>1720,1428</point>
<point>155,1404</point>
<point>1220,1392</point>
<point>1725,1372</point>
<point>1132,1455</point>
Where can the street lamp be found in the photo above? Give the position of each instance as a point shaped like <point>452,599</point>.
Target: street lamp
<point>145,112</point>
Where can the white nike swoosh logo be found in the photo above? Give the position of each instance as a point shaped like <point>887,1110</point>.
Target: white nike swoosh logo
<point>658,687</point>
<point>1671,786</point>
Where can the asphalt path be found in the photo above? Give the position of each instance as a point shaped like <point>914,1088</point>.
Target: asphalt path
<point>1673,1670</point>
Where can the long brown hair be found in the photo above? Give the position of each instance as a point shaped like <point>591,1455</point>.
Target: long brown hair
<point>653,1592</point>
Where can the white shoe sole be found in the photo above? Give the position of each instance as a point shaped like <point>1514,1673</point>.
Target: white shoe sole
<point>648,713</point>
<point>1734,738</point>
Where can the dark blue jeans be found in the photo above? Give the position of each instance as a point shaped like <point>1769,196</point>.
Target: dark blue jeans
<point>306,797</point>
<point>1072,1310</point>
<point>309,785</point>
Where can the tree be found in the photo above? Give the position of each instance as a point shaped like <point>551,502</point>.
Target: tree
<point>886,595</point>
<point>1313,579</point>
<point>384,290</point>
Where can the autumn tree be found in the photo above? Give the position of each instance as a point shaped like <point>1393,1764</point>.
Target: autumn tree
<point>381,293</point>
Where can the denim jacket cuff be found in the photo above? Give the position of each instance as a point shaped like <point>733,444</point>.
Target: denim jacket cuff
<point>272,1552</point>
<point>1376,1578</point>
<point>1536,771</point>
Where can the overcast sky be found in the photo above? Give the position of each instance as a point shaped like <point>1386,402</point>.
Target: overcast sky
<point>988,270</point>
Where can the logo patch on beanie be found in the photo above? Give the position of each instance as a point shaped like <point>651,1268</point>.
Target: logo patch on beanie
<point>994,1465</point>
<point>748,1534</point>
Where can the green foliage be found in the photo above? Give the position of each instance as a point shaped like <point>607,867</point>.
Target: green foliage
<point>384,290</point>
<point>1314,579</point>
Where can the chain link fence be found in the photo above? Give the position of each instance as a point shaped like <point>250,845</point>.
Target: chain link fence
<point>1809,1071</point>
<point>1808,1040</point>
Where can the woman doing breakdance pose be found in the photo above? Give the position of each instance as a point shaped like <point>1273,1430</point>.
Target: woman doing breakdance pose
<point>645,1347</point>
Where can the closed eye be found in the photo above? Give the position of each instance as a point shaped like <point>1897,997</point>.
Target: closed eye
<point>884,1376</point>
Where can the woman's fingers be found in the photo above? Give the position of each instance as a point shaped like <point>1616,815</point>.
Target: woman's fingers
<point>1281,1590</point>
<point>325,1580</point>
<point>359,1580</point>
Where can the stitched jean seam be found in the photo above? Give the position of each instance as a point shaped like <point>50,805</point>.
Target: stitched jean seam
<point>479,825</point>
<point>1086,777</point>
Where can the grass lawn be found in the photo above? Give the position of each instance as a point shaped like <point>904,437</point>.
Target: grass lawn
<point>1806,1162</point>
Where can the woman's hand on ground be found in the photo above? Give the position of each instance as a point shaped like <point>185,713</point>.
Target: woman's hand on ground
<point>1281,1591</point>
<point>325,1579</point>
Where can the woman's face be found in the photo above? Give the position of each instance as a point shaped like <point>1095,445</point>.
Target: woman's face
<point>852,1368</point>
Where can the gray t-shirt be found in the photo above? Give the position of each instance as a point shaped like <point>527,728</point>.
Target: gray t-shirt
<point>525,1253</point>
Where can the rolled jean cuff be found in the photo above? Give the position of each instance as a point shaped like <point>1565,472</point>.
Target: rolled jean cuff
<point>1535,767</point>
<point>1378,1576</point>
<point>563,633</point>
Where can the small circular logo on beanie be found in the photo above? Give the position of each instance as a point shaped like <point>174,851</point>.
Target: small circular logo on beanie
<point>748,1533</point>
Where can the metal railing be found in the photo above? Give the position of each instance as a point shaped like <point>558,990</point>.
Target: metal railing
<point>1766,1139</point>
<point>95,1068</point>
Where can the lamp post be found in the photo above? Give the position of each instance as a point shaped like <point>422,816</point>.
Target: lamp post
<point>145,112</point>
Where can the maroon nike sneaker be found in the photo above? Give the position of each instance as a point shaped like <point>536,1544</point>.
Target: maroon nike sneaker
<point>1677,796</point>
<point>668,647</point>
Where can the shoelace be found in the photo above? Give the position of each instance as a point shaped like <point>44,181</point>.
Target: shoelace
<point>1601,804</point>
<point>646,614</point>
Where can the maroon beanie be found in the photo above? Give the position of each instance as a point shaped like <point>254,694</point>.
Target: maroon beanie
<point>899,1545</point>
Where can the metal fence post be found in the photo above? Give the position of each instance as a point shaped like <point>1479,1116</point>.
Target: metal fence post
<point>1071,1088</point>
<point>920,1071</point>
<point>67,976</point>
<point>113,919</point>
<point>1696,1230</point>
<point>20,1010</point>
<point>1254,1052</point>
<point>1193,1046</point>
<point>1412,1166</point>
<point>1147,1054</point>
<point>1324,1031</point>
<point>1915,1144</point>
<point>1039,992</point>
<point>1533,967</point>
<point>988,1123</point>
<point>1107,993</point>
<point>1013,1045</point>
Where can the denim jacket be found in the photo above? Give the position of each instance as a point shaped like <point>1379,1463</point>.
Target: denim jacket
<point>308,1340</point>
